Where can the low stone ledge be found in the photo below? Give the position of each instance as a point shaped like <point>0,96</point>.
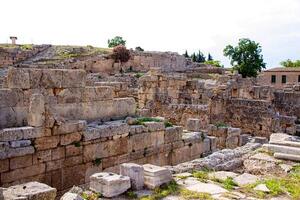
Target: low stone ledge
<point>21,133</point>
<point>108,129</point>
<point>70,127</point>
<point>30,191</point>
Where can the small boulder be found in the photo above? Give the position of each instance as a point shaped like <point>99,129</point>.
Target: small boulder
<point>262,188</point>
<point>245,179</point>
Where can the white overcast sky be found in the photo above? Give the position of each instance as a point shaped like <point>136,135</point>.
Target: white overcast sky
<point>162,25</point>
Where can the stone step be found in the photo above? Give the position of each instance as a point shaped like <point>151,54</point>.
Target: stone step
<point>282,149</point>
<point>285,156</point>
<point>287,143</point>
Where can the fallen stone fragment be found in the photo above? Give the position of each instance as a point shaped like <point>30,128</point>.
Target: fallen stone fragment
<point>285,156</point>
<point>109,184</point>
<point>30,191</point>
<point>262,188</point>
<point>245,179</point>
<point>154,176</point>
<point>136,174</point>
<point>71,196</point>
<point>222,175</point>
<point>193,184</point>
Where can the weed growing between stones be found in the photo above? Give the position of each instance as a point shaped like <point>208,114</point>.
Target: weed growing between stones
<point>201,175</point>
<point>228,183</point>
<point>131,194</point>
<point>90,196</point>
<point>97,161</point>
<point>174,189</point>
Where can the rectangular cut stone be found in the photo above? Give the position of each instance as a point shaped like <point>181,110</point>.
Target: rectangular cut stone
<point>173,134</point>
<point>18,174</point>
<point>285,156</point>
<point>109,184</point>
<point>70,127</point>
<point>136,174</point>
<point>22,151</point>
<point>30,191</point>
<point>19,162</point>
<point>70,138</point>
<point>4,165</point>
<point>20,133</point>
<point>97,93</point>
<point>46,143</point>
<point>193,124</point>
<point>155,126</point>
<point>154,176</point>
<point>18,78</point>
<point>20,143</point>
<point>36,113</point>
<point>73,78</point>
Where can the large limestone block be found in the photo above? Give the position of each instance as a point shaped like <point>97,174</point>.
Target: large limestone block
<point>30,191</point>
<point>282,149</point>
<point>193,124</point>
<point>109,184</point>
<point>73,78</point>
<point>18,78</point>
<point>173,134</point>
<point>136,174</point>
<point>154,176</point>
<point>97,93</point>
<point>36,114</point>
<point>287,156</point>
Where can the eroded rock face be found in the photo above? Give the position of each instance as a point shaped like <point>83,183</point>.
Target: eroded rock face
<point>30,191</point>
<point>226,159</point>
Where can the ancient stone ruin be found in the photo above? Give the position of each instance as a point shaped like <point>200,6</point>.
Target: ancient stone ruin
<point>88,121</point>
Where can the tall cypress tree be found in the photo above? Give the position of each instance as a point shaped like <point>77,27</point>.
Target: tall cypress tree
<point>200,57</point>
<point>209,57</point>
<point>186,54</point>
<point>194,57</point>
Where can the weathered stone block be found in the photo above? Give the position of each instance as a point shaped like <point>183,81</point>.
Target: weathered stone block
<point>46,142</point>
<point>20,143</point>
<point>154,176</point>
<point>18,174</point>
<point>97,93</point>
<point>36,113</point>
<point>18,78</point>
<point>70,138</point>
<point>20,162</point>
<point>73,150</point>
<point>71,196</point>
<point>136,174</point>
<point>30,191</point>
<point>4,165</point>
<point>193,124</point>
<point>73,78</point>
<point>109,184</point>
<point>155,126</point>
<point>173,134</point>
<point>70,127</point>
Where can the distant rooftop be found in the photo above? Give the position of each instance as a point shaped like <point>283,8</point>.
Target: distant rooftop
<point>284,69</point>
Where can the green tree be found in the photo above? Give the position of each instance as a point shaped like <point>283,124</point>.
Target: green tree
<point>209,57</point>
<point>290,63</point>
<point>139,48</point>
<point>194,57</point>
<point>246,58</point>
<point>118,40</point>
<point>186,54</point>
<point>200,57</point>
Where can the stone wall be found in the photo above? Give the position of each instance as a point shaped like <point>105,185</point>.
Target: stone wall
<point>10,54</point>
<point>56,130</point>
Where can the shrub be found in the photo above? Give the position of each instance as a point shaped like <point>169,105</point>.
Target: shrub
<point>215,63</point>
<point>120,54</point>
<point>116,41</point>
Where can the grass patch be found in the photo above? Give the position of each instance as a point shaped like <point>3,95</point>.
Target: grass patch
<point>201,175</point>
<point>168,124</point>
<point>142,120</point>
<point>289,184</point>
<point>173,189</point>
<point>26,47</point>
<point>228,183</point>
<point>77,144</point>
<point>221,124</point>
<point>138,75</point>
<point>187,194</point>
<point>91,196</point>
<point>131,194</point>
